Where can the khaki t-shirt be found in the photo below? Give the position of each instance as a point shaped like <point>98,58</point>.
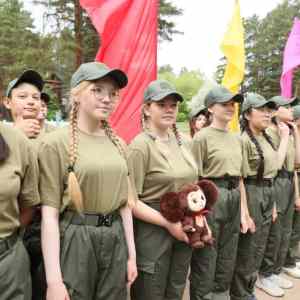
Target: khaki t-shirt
<point>48,128</point>
<point>289,162</point>
<point>45,130</point>
<point>218,153</point>
<point>18,180</point>
<point>251,158</point>
<point>160,167</point>
<point>100,169</point>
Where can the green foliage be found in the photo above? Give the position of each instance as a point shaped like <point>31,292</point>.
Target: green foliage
<point>265,40</point>
<point>166,27</point>
<point>53,105</point>
<point>20,47</point>
<point>187,83</point>
<point>57,52</point>
<point>61,14</point>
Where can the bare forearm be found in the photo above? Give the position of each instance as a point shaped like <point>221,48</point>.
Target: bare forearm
<point>126,215</point>
<point>297,145</point>
<point>147,214</point>
<point>51,247</point>
<point>296,183</point>
<point>244,204</point>
<point>282,150</point>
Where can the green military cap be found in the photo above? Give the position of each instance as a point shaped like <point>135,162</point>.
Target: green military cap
<point>220,94</point>
<point>95,70</point>
<point>29,76</point>
<point>281,101</point>
<point>253,100</point>
<point>159,89</point>
<point>296,112</point>
<point>195,112</point>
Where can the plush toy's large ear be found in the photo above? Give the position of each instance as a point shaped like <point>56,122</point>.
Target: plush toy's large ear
<point>210,191</point>
<point>170,207</point>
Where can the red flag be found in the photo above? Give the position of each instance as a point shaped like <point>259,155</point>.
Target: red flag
<point>128,32</point>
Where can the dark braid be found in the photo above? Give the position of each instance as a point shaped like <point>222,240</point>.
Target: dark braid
<point>274,121</point>
<point>269,140</point>
<point>243,123</point>
<point>177,134</point>
<point>261,167</point>
<point>4,149</point>
<point>143,120</point>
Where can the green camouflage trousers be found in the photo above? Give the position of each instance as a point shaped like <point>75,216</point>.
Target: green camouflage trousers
<point>292,255</point>
<point>32,242</point>
<point>15,279</point>
<point>280,232</point>
<point>260,199</point>
<point>212,266</point>
<point>94,260</point>
<point>162,262</point>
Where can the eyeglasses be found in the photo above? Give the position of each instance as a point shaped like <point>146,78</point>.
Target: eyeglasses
<point>101,92</point>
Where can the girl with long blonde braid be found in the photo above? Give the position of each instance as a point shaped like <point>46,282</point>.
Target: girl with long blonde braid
<point>160,163</point>
<point>87,234</point>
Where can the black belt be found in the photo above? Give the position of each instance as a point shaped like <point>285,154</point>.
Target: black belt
<point>252,180</point>
<point>227,182</point>
<point>91,219</point>
<point>285,174</point>
<point>8,242</point>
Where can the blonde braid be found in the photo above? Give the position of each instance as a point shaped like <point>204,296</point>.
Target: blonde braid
<point>115,140</point>
<point>73,184</point>
<point>186,154</point>
<point>113,137</point>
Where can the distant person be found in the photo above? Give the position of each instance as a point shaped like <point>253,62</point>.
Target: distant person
<point>198,120</point>
<point>42,116</point>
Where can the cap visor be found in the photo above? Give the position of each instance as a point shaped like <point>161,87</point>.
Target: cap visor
<point>159,97</point>
<point>117,75</point>
<point>269,104</point>
<point>236,98</point>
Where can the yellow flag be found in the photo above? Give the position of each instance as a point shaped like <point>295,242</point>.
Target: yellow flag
<point>234,51</point>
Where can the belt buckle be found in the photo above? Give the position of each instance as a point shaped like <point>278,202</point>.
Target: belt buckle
<point>231,184</point>
<point>105,220</point>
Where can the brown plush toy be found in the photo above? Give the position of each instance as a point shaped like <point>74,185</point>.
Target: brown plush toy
<point>189,206</point>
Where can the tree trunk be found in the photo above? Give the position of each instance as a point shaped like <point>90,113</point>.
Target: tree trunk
<point>78,37</point>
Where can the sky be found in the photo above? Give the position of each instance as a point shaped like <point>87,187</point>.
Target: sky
<point>203,22</point>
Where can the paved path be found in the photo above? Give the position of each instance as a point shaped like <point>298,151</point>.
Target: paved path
<point>292,294</point>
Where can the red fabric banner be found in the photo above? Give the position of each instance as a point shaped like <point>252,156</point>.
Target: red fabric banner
<point>128,34</point>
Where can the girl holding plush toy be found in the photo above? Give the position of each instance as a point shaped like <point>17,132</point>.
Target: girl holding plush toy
<point>160,163</point>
